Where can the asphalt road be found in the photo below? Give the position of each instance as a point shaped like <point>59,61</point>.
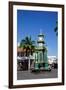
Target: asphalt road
<point>22,75</point>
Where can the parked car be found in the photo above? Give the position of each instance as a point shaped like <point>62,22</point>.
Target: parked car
<point>55,65</point>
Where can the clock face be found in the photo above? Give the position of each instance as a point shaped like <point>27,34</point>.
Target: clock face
<point>41,38</point>
<point>41,44</point>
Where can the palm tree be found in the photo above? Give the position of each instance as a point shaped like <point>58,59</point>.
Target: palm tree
<point>56,28</point>
<point>28,45</point>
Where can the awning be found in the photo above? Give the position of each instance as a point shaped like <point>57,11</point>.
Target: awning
<point>25,58</point>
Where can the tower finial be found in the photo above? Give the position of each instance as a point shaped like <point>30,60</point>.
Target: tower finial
<point>40,31</point>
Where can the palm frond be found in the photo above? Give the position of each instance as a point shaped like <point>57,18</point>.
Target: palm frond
<point>56,28</point>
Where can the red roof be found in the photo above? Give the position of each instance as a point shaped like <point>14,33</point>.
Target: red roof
<point>20,49</point>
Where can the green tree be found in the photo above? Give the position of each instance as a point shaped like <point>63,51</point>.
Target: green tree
<point>56,28</point>
<point>28,45</point>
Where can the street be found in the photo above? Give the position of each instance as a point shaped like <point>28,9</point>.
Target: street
<point>22,75</point>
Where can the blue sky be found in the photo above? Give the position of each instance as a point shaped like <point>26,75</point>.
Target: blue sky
<point>29,23</point>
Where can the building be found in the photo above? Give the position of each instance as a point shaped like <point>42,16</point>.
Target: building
<point>24,62</point>
<point>37,61</point>
<point>52,59</point>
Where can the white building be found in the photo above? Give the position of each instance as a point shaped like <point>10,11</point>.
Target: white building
<point>52,59</point>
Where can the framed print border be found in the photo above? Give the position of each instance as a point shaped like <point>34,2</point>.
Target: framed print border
<point>11,44</point>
